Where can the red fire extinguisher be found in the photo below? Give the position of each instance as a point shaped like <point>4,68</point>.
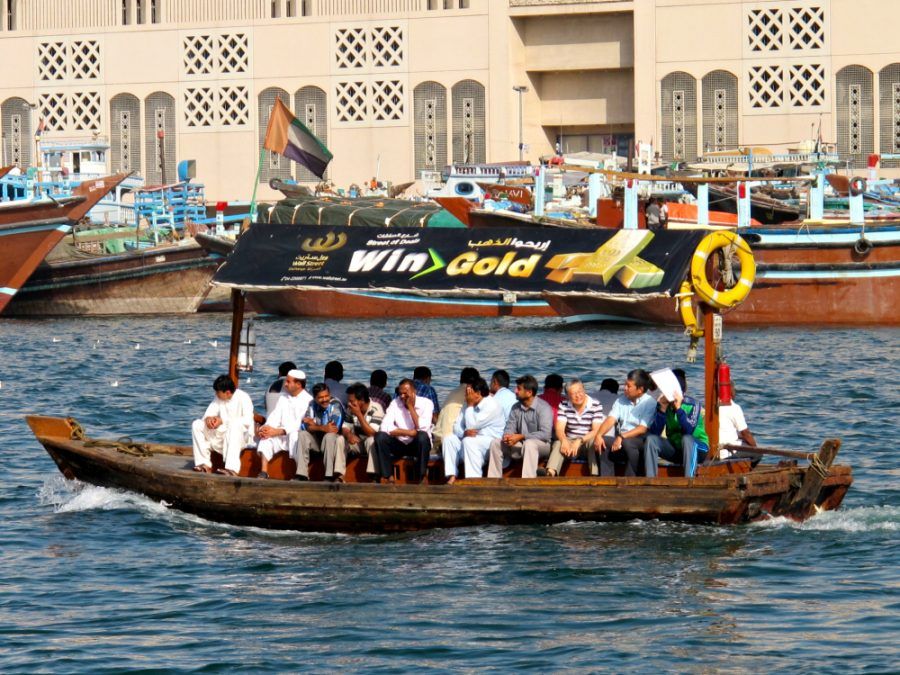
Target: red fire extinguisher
<point>723,382</point>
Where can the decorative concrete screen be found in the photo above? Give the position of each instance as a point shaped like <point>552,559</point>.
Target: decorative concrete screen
<point>784,50</point>
<point>208,57</point>
<point>855,107</point>
<point>76,111</point>
<point>125,133</point>
<point>720,111</point>
<point>311,108</point>
<point>16,118</point>
<point>61,60</point>
<point>889,112</point>
<point>159,115</point>
<point>273,165</point>
<point>468,104</point>
<point>678,108</point>
<point>430,126</point>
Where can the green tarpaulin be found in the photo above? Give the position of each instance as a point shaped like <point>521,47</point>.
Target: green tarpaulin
<point>369,211</point>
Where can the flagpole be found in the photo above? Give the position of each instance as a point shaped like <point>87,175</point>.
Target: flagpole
<point>262,156</point>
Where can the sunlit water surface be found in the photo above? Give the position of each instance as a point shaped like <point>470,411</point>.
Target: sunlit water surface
<point>94,580</point>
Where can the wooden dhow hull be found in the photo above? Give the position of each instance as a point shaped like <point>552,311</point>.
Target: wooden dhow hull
<point>164,280</point>
<point>164,473</point>
<point>30,229</point>
<point>805,276</point>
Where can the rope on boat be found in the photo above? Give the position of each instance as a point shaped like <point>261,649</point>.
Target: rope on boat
<point>818,466</point>
<point>123,444</point>
<point>77,429</point>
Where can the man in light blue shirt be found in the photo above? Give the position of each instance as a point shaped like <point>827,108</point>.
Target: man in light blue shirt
<point>628,421</point>
<point>478,425</point>
<point>501,392</point>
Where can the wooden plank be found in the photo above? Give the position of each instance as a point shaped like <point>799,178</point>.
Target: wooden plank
<point>802,505</point>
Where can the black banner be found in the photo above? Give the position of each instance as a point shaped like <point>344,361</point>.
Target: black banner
<point>476,260</point>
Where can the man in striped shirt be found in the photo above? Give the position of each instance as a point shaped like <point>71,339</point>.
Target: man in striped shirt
<point>577,422</point>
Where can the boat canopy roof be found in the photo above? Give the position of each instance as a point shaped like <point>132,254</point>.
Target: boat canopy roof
<point>624,265</point>
<point>371,211</point>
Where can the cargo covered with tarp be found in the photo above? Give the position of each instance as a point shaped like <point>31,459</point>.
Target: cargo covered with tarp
<point>365,211</point>
<point>621,264</point>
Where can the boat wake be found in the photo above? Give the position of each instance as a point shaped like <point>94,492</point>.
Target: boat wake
<point>858,519</point>
<point>67,496</point>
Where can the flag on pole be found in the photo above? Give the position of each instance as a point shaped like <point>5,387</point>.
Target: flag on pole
<point>288,136</point>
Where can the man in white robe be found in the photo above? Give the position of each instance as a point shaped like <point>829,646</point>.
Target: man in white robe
<point>282,427</point>
<point>481,422</point>
<point>226,427</point>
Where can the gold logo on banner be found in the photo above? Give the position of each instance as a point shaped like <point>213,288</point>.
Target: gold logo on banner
<point>330,242</point>
<point>617,258</point>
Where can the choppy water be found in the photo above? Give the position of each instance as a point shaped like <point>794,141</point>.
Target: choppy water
<point>93,580</point>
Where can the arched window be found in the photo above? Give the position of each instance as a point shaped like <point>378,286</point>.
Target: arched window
<point>430,126</point>
<point>855,114</point>
<point>720,111</point>
<point>678,116</point>
<point>310,108</point>
<point>273,164</point>
<point>15,114</point>
<point>125,133</point>
<point>889,112</point>
<point>469,142</point>
<point>159,115</point>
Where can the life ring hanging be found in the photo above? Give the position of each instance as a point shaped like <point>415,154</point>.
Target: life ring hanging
<point>857,187</point>
<point>733,296</point>
<point>686,307</point>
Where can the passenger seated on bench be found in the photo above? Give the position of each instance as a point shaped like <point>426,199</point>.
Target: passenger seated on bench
<point>362,422</point>
<point>453,405</point>
<point>686,442</point>
<point>405,430</point>
<point>377,382</point>
<point>275,389</point>
<point>527,432</point>
<point>334,373</point>
<point>282,427</point>
<point>226,427</point>
<point>480,424</point>
<point>577,423</point>
<point>607,394</point>
<point>733,429</point>
<point>631,415</point>
<point>501,392</point>
<point>552,394</point>
<point>321,431</point>
<point>422,380</point>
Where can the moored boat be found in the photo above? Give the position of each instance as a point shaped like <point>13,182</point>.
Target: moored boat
<point>29,229</point>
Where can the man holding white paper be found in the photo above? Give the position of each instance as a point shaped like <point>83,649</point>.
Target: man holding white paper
<point>686,441</point>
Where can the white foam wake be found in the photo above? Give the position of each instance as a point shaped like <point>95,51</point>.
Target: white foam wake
<point>858,519</point>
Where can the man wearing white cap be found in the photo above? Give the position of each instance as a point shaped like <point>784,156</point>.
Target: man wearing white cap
<point>282,427</point>
<point>226,428</point>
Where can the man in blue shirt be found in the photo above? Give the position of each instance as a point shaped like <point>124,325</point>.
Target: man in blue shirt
<point>628,421</point>
<point>422,380</point>
<point>500,390</point>
<point>321,431</point>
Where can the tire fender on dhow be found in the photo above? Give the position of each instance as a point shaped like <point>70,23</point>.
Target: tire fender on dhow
<point>703,288</point>
<point>857,186</point>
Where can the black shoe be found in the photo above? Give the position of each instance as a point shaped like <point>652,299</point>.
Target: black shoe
<point>300,478</point>
<point>542,471</point>
<point>262,474</point>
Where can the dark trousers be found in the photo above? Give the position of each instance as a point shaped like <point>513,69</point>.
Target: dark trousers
<point>388,447</point>
<point>629,454</point>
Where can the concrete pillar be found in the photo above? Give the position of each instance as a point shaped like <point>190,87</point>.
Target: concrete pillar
<point>743,204</point>
<point>817,198</point>
<point>631,205</point>
<point>857,212</point>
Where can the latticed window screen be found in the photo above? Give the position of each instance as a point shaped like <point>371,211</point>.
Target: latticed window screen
<point>855,106</point>
<point>469,124</point>
<point>211,54</point>
<point>16,117</point>
<point>159,114</point>
<point>678,113</point>
<point>125,133</point>
<point>274,165</point>
<point>889,112</point>
<point>310,106</point>
<point>430,126</point>
<point>387,100</point>
<point>720,111</point>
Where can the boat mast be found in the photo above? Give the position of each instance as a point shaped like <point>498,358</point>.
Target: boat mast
<point>710,362</point>
<point>237,323</point>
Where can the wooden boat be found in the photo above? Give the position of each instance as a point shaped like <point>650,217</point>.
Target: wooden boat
<point>726,494</point>
<point>29,229</point>
<point>169,279</point>
<point>825,274</point>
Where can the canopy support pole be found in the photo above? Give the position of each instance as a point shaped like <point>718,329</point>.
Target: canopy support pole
<point>237,323</point>
<point>710,361</point>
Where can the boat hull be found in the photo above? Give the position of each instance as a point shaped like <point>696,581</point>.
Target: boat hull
<point>164,473</point>
<point>24,247</point>
<point>171,280</point>
<point>373,305</point>
<point>803,278</point>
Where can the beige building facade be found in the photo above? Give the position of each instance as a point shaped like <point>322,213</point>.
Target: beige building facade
<point>395,87</point>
